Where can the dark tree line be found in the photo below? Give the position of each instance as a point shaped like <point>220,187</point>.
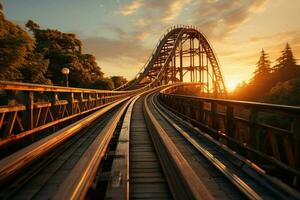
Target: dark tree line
<point>278,84</point>
<point>39,59</point>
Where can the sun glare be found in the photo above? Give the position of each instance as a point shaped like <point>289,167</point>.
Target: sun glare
<point>231,85</point>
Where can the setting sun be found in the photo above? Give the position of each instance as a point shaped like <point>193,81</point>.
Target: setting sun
<point>231,84</point>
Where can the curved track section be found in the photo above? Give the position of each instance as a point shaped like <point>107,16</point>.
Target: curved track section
<point>182,54</point>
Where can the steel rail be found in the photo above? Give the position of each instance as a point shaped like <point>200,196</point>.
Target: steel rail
<point>118,185</point>
<point>240,184</point>
<point>183,181</point>
<point>16,162</point>
<point>82,175</point>
<point>275,186</point>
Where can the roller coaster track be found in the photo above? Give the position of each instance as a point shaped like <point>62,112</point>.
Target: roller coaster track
<point>148,141</point>
<point>161,66</point>
<point>147,152</point>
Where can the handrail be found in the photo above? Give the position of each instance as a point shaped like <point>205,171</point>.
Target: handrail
<point>261,106</point>
<point>14,163</point>
<point>249,128</point>
<point>19,86</point>
<point>27,108</point>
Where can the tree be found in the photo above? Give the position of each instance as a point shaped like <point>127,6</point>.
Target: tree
<point>32,25</point>
<point>15,44</point>
<point>118,81</point>
<point>263,68</point>
<point>286,67</point>
<point>285,93</point>
<point>65,50</point>
<point>40,59</point>
<point>103,84</point>
<point>35,68</point>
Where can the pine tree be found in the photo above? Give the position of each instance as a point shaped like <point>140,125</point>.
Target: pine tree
<point>286,67</point>
<point>263,68</point>
<point>286,60</point>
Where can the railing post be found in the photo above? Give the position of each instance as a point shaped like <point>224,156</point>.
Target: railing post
<point>214,115</point>
<point>12,100</point>
<point>188,108</point>
<point>71,103</point>
<point>197,112</point>
<point>201,112</point>
<point>29,100</point>
<point>253,136</point>
<point>98,99</point>
<point>229,127</point>
<point>54,100</point>
<point>296,134</point>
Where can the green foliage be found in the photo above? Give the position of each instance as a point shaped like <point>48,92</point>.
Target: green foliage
<point>35,68</point>
<point>263,68</point>
<point>64,50</point>
<point>15,44</point>
<point>40,59</point>
<point>102,84</point>
<point>287,92</point>
<point>32,25</point>
<point>118,81</point>
<point>286,67</point>
<point>265,78</point>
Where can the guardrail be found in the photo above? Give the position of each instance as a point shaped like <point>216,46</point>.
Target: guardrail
<point>267,134</point>
<point>30,108</point>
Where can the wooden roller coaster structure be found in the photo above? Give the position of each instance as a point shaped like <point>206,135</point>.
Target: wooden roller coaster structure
<point>183,53</point>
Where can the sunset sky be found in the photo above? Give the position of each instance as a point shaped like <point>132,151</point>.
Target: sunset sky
<point>122,33</point>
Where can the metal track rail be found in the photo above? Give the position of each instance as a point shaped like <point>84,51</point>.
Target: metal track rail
<point>152,166</point>
<point>244,175</point>
<point>182,179</point>
<point>80,179</point>
<point>47,156</point>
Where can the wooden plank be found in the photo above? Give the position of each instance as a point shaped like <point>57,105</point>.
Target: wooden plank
<point>192,187</point>
<point>118,185</point>
<point>146,176</point>
<point>80,179</point>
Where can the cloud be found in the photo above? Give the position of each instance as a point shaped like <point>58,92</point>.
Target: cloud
<point>131,8</point>
<point>107,49</point>
<point>281,36</point>
<point>220,18</point>
<point>142,35</point>
<point>143,22</point>
<point>174,10</point>
<point>118,56</point>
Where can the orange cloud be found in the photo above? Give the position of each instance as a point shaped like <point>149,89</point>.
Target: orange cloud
<point>174,10</point>
<point>142,35</point>
<point>131,8</point>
